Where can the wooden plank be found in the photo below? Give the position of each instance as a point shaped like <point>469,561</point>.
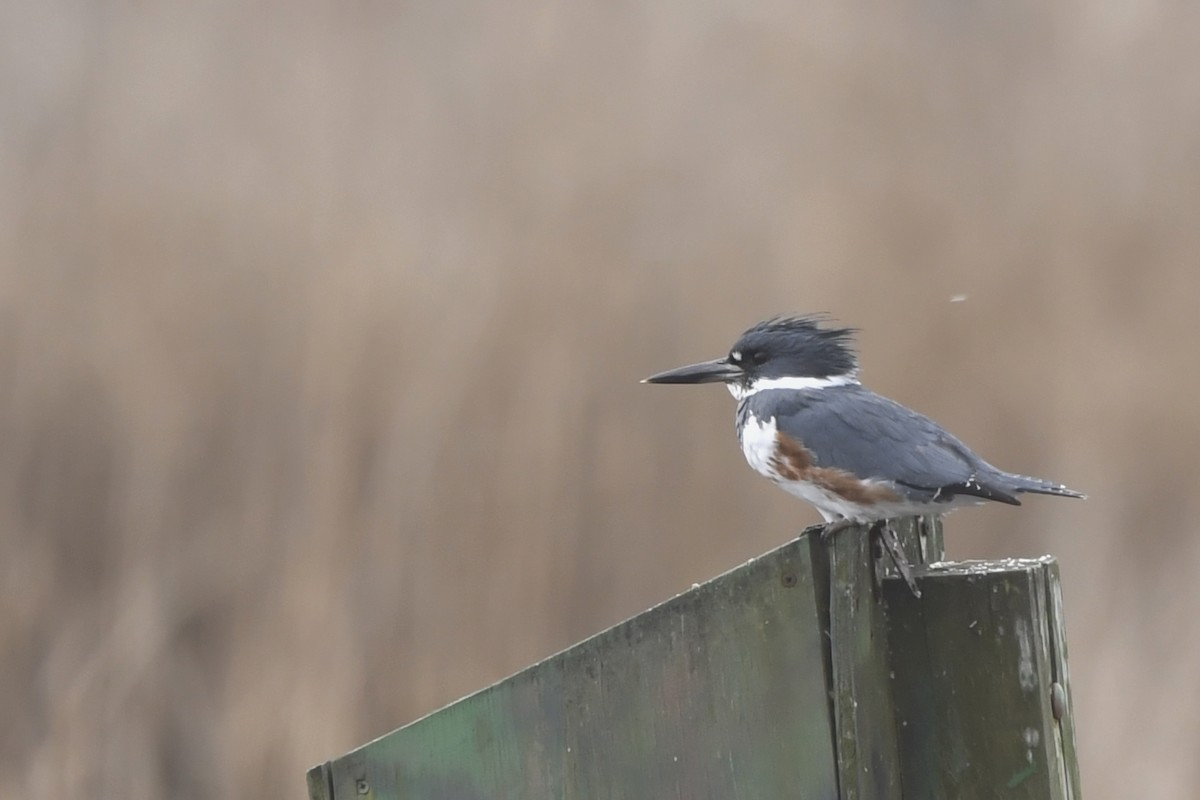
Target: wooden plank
<point>718,693</point>
<point>850,568</point>
<point>811,672</point>
<point>1060,690</point>
<point>975,660</point>
<point>320,786</point>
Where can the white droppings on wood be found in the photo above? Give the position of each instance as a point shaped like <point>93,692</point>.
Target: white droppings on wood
<point>1032,737</point>
<point>1025,670</point>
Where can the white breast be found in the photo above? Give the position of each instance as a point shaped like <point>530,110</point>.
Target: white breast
<point>758,445</point>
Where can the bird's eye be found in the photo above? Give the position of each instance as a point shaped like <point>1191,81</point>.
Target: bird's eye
<point>759,357</point>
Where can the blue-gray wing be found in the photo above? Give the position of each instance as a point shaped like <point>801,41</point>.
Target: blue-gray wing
<point>853,429</point>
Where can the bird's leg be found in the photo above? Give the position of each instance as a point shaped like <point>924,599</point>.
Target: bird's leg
<point>891,543</point>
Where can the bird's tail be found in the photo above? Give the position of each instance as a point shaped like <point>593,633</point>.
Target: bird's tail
<point>1025,483</point>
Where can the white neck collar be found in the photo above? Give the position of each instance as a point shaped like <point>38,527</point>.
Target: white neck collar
<point>741,391</point>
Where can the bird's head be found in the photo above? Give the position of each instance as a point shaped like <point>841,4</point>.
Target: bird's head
<point>786,352</point>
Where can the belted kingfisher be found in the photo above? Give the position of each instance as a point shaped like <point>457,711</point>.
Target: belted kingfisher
<point>805,422</point>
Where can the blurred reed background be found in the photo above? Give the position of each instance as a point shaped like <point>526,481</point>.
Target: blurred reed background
<point>321,327</point>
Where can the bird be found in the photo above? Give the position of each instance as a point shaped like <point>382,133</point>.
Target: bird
<point>806,422</point>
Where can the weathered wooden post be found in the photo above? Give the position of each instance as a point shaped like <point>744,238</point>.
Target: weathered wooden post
<point>811,672</point>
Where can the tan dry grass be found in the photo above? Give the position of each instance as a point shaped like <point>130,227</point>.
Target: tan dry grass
<point>321,330</point>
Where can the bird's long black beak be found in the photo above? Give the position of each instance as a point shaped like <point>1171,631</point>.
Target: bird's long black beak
<point>719,370</point>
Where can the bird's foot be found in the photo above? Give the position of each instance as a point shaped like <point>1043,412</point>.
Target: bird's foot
<point>833,528</point>
<point>891,543</point>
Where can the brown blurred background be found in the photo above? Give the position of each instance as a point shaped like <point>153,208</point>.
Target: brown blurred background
<point>321,326</point>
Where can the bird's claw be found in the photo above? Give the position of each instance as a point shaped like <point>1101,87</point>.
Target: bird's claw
<point>891,543</point>
<point>833,528</point>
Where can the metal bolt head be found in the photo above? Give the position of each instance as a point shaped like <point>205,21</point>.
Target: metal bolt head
<point>788,579</point>
<point>361,786</point>
<point>1058,701</point>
